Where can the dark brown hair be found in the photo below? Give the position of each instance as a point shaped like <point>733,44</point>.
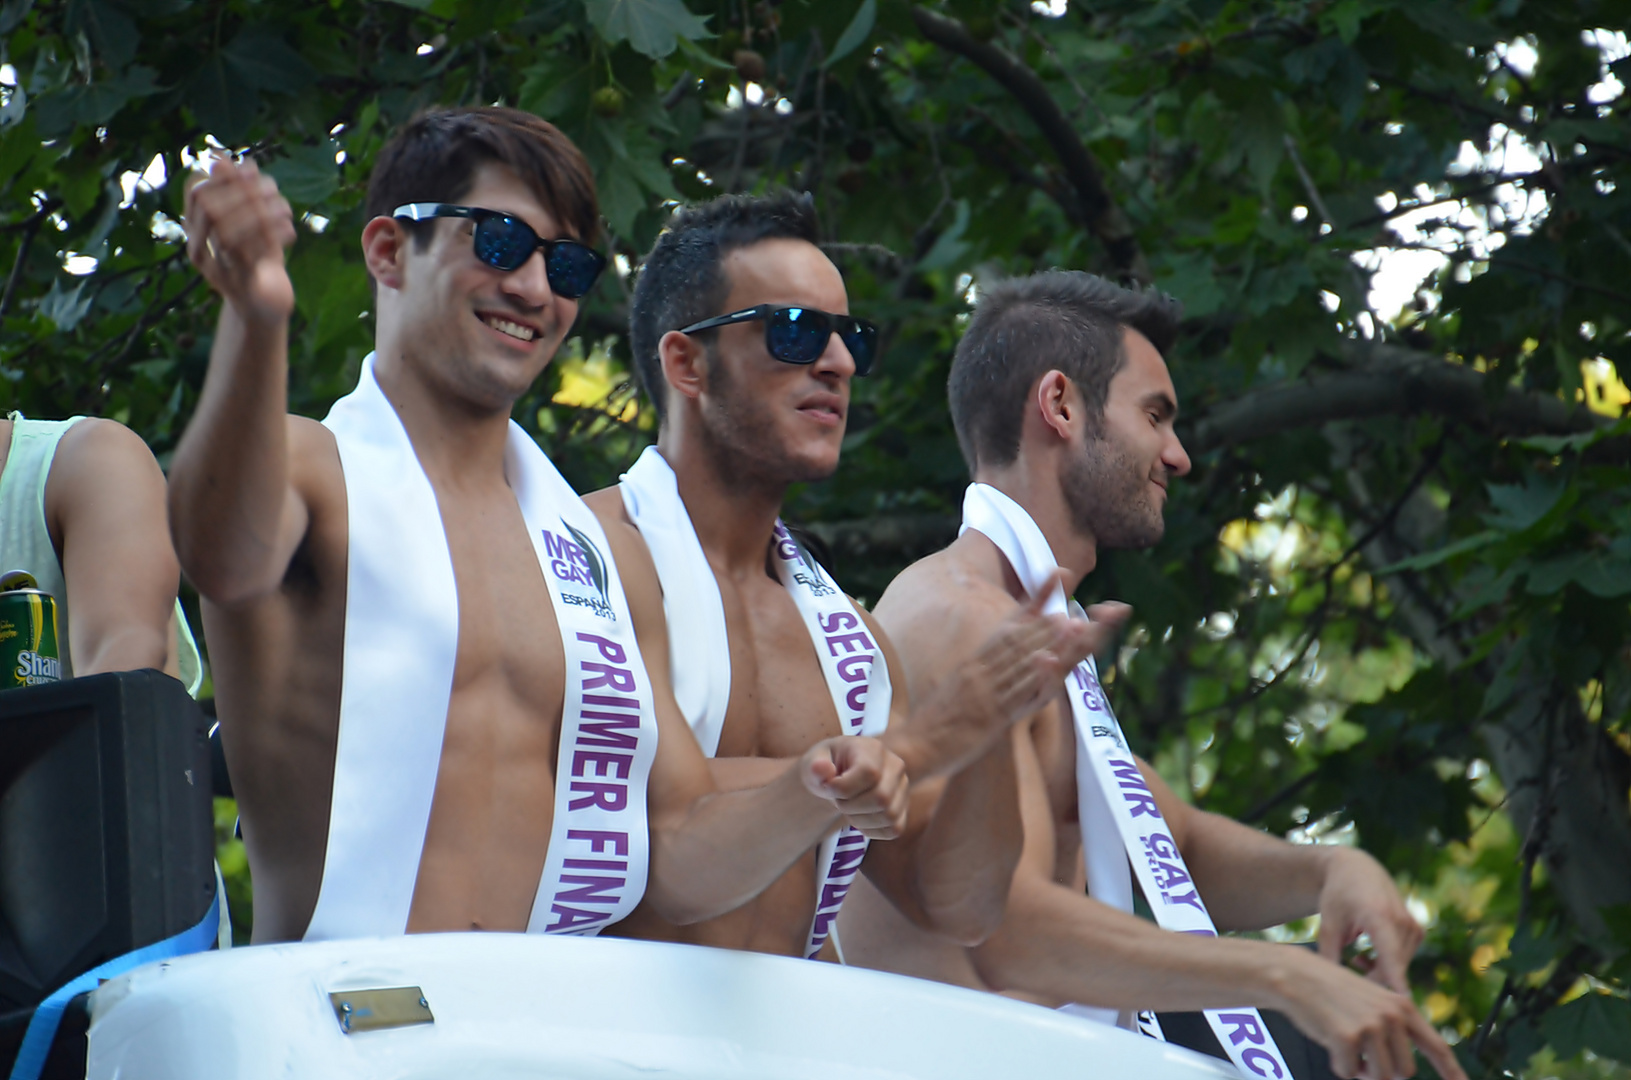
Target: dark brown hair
<point>683,279</point>
<point>434,158</point>
<point>1022,328</point>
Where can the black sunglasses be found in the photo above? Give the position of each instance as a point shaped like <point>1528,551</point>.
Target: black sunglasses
<point>506,243</point>
<point>798,335</point>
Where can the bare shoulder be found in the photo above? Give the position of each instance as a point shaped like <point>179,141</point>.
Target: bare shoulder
<point>607,505</point>
<point>941,608</point>
<point>628,546</point>
<point>94,444</point>
<point>891,658</point>
<point>634,566</point>
<point>105,462</point>
<point>317,480</point>
<point>314,458</point>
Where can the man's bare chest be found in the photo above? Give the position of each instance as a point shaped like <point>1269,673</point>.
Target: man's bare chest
<point>509,641</point>
<point>780,703</point>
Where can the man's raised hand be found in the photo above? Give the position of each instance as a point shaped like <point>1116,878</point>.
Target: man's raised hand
<point>863,779</point>
<point>1022,664</point>
<point>237,229</point>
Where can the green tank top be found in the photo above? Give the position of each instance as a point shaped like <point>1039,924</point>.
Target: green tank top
<point>25,543</point>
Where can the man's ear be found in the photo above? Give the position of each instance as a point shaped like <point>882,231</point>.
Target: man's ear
<point>1057,403</point>
<point>685,365</point>
<point>385,251</point>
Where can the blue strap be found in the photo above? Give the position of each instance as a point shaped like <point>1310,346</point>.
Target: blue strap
<point>42,1028</point>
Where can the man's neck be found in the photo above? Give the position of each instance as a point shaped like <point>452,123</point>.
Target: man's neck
<point>733,520</point>
<point>457,442</point>
<point>1037,490</point>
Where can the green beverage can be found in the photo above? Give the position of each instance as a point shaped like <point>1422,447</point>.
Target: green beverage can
<point>28,632</point>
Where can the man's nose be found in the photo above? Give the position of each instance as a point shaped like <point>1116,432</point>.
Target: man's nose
<point>835,359</point>
<point>529,282</point>
<point>1174,456</point>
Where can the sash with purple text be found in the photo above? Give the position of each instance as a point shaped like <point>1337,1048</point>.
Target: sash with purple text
<point>858,679</point>
<point>1114,800</point>
<point>850,659</point>
<point>401,643</point>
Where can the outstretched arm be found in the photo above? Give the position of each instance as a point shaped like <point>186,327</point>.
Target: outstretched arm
<point>104,505</point>
<point>1252,880</point>
<point>1058,943</point>
<point>236,517</point>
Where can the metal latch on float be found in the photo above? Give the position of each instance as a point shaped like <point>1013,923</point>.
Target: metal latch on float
<point>386,1007</point>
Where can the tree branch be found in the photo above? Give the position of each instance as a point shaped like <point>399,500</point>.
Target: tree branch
<point>1386,380</point>
<point>30,227</point>
<point>1094,206</point>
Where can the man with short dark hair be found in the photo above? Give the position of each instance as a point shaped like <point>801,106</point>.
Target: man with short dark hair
<point>743,339</point>
<point>441,687</point>
<point>1064,409</point>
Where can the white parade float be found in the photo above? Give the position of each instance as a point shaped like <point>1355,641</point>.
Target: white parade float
<point>500,1006</point>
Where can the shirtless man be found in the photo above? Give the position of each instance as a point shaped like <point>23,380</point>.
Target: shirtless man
<point>82,511</point>
<point>749,404</point>
<point>461,649</point>
<point>1064,409</point>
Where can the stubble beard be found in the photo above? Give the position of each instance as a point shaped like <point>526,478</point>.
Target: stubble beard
<point>743,440</point>
<point>1108,498</point>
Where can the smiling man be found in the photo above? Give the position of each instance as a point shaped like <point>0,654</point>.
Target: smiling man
<point>743,340</point>
<point>441,705</point>
<point>1064,410</point>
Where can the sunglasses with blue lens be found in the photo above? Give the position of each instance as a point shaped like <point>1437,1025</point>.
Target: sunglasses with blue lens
<point>799,335</point>
<point>506,243</point>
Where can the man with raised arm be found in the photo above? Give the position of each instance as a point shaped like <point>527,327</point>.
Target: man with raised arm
<point>1064,410</point>
<point>442,708</point>
<point>742,338</point>
<point>82,513</point>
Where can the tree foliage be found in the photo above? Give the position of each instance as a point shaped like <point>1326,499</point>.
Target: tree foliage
<point>1392,603</point>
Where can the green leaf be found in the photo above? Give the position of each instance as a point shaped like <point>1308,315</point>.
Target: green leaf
<point>18,146</point>
<point>1518,506</point>
<point>223,102</point>
<point>651,27</point>
<point>65,307</point>
<point>266,62</point>
<point>1549,575</point>
<point>110,30</point>
<point>1596,1022</point>
<point>1606,577</point>
<point>1449,551</point>
<point>949,248</point>
<point>308,174</point>
<point>855,34</point>
<point>1192,278</point>
<point>621,197</point>
<point>1557,444</point>
<point>1526,952</point>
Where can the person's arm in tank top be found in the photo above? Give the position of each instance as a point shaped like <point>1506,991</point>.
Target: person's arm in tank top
<point>104,509</point>
<point>237,517</point>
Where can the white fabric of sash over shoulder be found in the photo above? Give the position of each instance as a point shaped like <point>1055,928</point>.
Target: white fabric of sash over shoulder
<point>401,643</point>
<point>851,661</point>
<point>699,645</point>
<point>1104,763</point>
<point>401,637</point>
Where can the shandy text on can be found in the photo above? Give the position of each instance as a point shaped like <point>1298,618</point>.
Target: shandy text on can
<point>28,633</point>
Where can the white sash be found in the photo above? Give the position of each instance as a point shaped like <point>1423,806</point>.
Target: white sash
<point>851,661</point>
<point>1105,768</point>
<point>401,643</point>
